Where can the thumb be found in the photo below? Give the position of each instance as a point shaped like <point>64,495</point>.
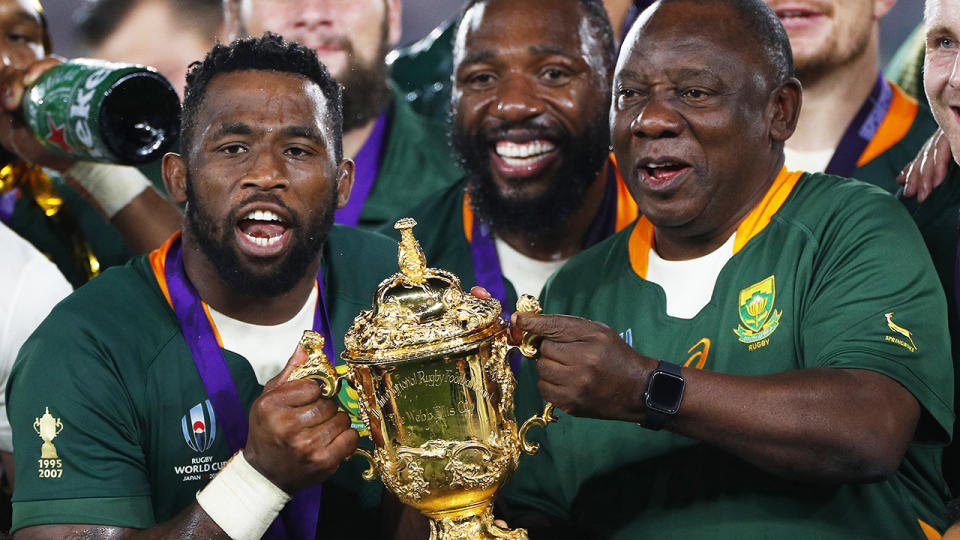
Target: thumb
<point>298,358</point>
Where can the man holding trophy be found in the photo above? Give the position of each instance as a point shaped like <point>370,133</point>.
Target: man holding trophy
<point>150,373</point>
<point>776,363</point>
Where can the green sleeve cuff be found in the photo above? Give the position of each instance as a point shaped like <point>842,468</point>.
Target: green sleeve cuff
<point>135,512</point>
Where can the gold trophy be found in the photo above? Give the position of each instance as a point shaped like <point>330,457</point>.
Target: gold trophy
<point>430,365</point>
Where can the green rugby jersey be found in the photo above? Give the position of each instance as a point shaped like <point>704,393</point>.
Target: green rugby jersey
<point>113,374</point>
<point>901,134</point>
<point>826,272</point>
<point>416,161</point>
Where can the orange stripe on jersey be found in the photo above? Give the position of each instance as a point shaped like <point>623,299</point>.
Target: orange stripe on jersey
<point>158,262</point>
<point>467,217</point>
<point>932,534</point>
<point>760,216</point>
<point>640,244</point>
<point>900,116</point>
<point>627,210</point>
<point>642,238</point>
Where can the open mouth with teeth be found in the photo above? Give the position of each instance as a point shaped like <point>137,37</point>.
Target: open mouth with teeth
<point>797,17</point>
<point>661,173</point>
<point>263,232</point>
<point>519,159</point>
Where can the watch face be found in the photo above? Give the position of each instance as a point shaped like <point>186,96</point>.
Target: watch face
<point>665,393</point>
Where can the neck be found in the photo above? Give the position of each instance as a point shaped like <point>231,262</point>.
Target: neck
<point>832,98</point>
<point>354,139</point>
<point>690,242</point>
<point>252,309</point>
<point>570,238</point>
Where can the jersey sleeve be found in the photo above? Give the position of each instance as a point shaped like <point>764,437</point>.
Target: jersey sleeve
<point>876,303</point>
<point>31,297</point>
<point>76,427</point>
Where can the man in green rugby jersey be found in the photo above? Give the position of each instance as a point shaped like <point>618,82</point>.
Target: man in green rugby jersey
<point>137,389</point>
<point>771,356</point>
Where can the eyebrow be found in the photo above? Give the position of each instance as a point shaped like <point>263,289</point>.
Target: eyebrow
<point>306,132</point>
<point>551,49</point>
<point>938,30</point>
<point>479,56</point>
<point>233,128</point>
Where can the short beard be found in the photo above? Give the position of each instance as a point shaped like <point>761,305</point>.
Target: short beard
<point>276,277</point>
<point>365,90</point>
<point>543,215</point>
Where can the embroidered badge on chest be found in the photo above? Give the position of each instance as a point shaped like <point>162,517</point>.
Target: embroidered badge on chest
<point>758,318</point>
<point>199,427</point>
<point>47,427</point>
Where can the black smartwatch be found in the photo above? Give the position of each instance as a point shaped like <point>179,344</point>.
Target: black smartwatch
<point>664,394</point>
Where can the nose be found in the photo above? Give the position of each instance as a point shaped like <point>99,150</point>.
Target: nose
<point>954,80</point>
<point>313,13</point>
<point>265,173</point>
<point>657,118</point>
<point>517,99</point>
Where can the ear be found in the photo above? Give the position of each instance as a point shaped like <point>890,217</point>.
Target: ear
<point>882,7</point>
<point>344,182</point>
<point>785,102</point>
<point>175,177</point>
<point>394,17</point>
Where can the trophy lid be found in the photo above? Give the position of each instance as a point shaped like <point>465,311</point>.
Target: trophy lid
<point>419,311</point>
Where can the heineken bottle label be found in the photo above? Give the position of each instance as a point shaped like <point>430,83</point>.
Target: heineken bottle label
<point>62,108</point>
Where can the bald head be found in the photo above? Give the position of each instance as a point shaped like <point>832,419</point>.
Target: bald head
<point>750,18</point>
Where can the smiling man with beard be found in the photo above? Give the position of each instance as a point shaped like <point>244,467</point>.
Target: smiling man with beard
<point>143,382</point>
<point>780,337</point>
<point>400,157</point>
<point>530,98</point>
<point>854,122</point>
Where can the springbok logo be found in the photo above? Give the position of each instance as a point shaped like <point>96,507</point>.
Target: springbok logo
<point>199,427</point>
<point>912,347</point>
<point>757,315</point>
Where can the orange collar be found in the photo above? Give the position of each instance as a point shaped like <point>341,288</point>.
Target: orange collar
<point>900,116</point>
<point>642,238</point>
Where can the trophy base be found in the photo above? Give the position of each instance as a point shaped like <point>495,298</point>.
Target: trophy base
<point>474,523</point>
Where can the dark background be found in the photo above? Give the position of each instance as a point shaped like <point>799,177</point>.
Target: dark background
<point>421,16</point>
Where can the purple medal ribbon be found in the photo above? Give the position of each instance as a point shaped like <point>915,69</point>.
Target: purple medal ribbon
<point>486,263</point>
<point>366,166</point>
<point>299,518</point>
<point>862,129</point>
<point>8,201</point>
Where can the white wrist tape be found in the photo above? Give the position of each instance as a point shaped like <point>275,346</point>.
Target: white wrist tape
<point>112,186</point>
<point>241,500</point>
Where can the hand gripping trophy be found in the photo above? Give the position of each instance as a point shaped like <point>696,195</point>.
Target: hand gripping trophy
<point>430,365</point>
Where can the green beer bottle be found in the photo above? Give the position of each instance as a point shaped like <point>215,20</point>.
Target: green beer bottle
<point>91,110</point>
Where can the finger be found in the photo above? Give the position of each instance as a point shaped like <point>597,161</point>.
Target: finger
<point>500,523</point>
<point>554,327</point>
<point>39,68</point>
<point>315,413</point>
<point>479,292</point>
<point>551,371</point>
<point>329,453</point>
<point>299,357</point>
<point>909,181</point>
<point>293,394</point>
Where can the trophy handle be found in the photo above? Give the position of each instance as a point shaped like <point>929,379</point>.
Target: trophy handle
<point>530,347</point>
<point>529,343</point>
<point>317,367</point>
<point>371,471</point>
<point>541,420</point>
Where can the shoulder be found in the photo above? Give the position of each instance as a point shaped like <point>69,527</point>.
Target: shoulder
<point>605,262</point>
<point>358,260</point>
<point>822,202</point>
<point>116,316</point>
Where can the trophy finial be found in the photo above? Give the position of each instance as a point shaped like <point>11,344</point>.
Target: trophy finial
<point>412,261</point>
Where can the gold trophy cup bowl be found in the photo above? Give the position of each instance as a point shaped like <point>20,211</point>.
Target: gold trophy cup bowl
<point>430,364</point>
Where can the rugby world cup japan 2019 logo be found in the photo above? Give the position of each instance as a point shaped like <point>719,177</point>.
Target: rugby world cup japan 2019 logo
<point>199,427</point>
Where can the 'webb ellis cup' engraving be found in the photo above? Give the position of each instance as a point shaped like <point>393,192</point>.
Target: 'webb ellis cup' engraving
<point>429,363</point>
